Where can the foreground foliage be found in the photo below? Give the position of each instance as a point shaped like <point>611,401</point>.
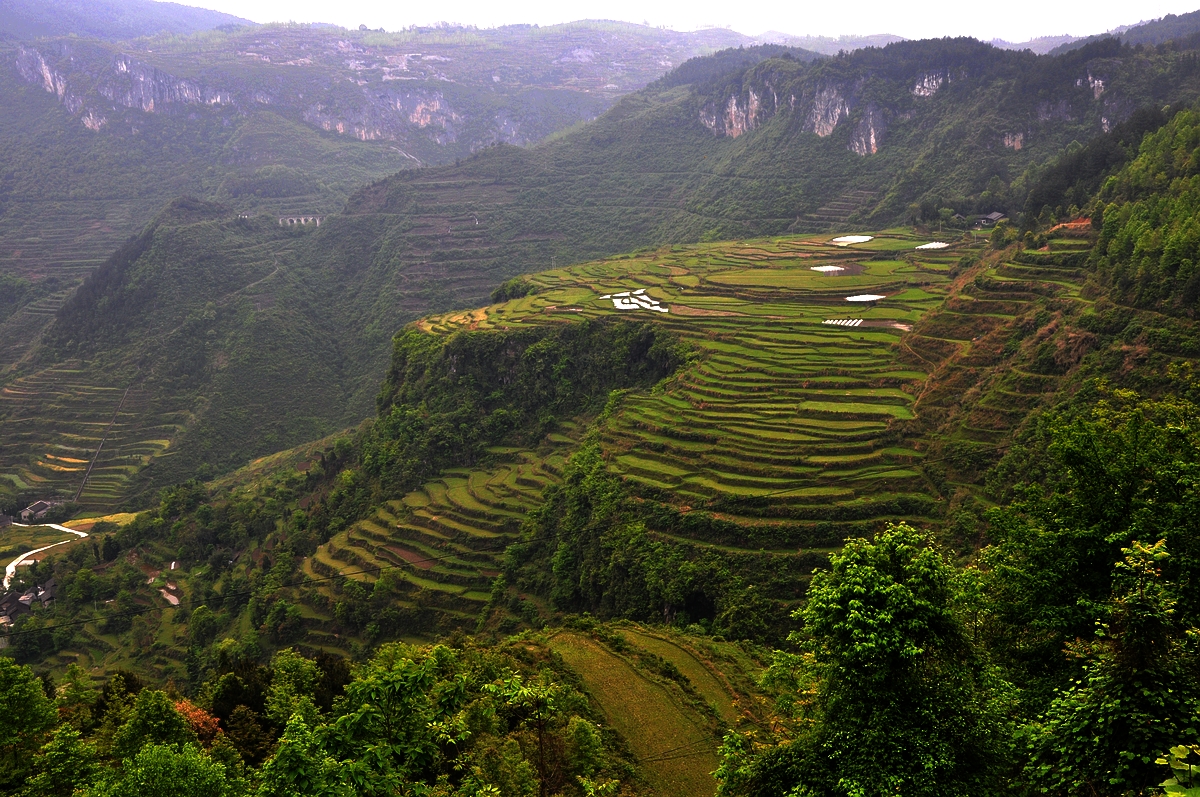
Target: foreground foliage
<point>461,720</point>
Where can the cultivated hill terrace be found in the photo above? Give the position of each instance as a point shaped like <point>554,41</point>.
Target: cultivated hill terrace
<point>800,419</point>
<point>792,426</point>
<point>794,387</point>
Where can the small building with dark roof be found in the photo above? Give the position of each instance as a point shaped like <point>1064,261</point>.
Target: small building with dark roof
<point>35,511</point>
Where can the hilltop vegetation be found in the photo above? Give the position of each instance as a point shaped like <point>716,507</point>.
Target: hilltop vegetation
<point>1158,31</point>
<point>539,714</point>
<point>106,19</point>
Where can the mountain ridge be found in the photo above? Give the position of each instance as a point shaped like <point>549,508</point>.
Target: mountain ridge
<point>107,19</point>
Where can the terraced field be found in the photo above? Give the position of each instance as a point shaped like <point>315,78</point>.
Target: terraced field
<point>980,397</point>
<point>674,744</point>
<point>447,539</point>
<point>835,214</point>
<point>784,418</point>
<point>54,245</point>
<point>55,421</point>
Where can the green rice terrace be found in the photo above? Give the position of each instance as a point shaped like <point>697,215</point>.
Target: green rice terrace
<point>797,399</point>
<point>804,417</point>
<point>444,543</point>
<point>61,425</point>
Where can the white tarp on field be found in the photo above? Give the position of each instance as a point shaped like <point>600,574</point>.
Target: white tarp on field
<point>846,240</point>
<point>865,297</point>
<point>934,245</point>
<point>635,300</point>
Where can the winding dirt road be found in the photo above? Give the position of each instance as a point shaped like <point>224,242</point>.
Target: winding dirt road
<point>11,570</point>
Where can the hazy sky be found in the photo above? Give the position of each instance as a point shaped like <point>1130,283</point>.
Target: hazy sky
<point>1015,20</point>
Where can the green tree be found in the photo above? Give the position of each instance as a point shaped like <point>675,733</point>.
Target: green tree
<point>387,731</point>
<point>1138,694</point>
<point>404,718</point>
<point>537,706</point>
<point>293,681</point>
<point>160,770</point>
<point>153,720</point>
<point>75,696</point>
<point>117,700</point>
<point>905,701</point>
<point>202,625</point>
<point>25,716</point>
<point>1126,469</point>
<point>65,764</point>
<point>301,765</point>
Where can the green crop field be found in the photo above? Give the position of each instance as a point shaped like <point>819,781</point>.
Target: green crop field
<point>55,420</point>
<point>445,541</point>
<point>674,743</point>
<point>17,540</point>
<point>778,403</point>
<point>703,676</point>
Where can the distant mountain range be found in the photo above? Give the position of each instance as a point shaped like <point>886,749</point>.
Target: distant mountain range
<point>112,20</point>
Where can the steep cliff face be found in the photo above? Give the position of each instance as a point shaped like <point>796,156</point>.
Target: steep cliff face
<point>928,84</point>
<point>819,110</point>
<point>101,87</point>
<point>93,92</point>
<point>874,94</point>
<point>133,84</point>
<point>33,67</point>
<point>738,113</point>
<point>828,107</point>
<point>869,132</point>
<point>389,116</point>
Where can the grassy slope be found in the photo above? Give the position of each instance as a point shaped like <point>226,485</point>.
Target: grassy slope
<point>678,751</point>
<point>700,672</point>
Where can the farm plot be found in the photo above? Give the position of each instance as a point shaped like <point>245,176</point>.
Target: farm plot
<point>17,540</point>
<point>55,420</point>
<point>783,419</point>
<point>981,320</point>
<point>674,744</point>
<point>446,540</point>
